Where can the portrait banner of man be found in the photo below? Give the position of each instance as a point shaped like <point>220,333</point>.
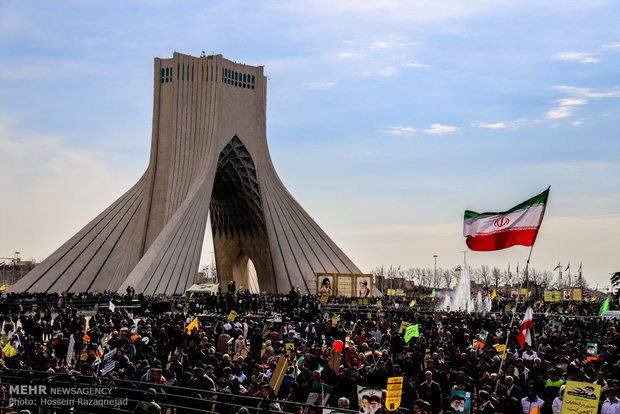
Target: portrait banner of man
<point>460,401</point>
<point>369,399</point>
<point>364,287</point>
<point>566,293</point>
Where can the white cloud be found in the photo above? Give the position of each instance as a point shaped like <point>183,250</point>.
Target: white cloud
<point>322,85</point>
<point>560,112</point>
<point>380,45</point>
<point>572,102</point>
<point>439,129</point>
<point>497,125</point>
<point>399,130</point>
<point>565,108</point>
<point>589,92</point>
<point>387,71</point>
<point>576,57</point>
<point>415,65</point>
<point>349,55</point>
<point>577,122</point>
<point>502,124</point>
<point>612,46</point>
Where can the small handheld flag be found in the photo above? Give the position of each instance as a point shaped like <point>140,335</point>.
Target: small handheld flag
<point>604,307</point>
<point>99,351</point>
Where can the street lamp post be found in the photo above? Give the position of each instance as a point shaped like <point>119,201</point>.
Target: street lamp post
<point>435,256</point>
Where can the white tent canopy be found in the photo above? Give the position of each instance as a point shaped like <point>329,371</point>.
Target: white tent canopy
<point>204,288</point>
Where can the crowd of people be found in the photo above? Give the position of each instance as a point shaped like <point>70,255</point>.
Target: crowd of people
<point>220,353</point>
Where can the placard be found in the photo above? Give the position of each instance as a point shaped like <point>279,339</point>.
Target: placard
<point>581,398</point>
<point>394,393</point>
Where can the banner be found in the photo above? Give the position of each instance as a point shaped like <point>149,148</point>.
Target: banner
<point>500,349</point>
<point>278,374</point>
<point>548,296</point>
<point>343,288</point>
<point>334,360</point>
<point>577,294</point>
<point>591,351</point>
<point>403,327</point>
<point>369,399</point>
<point>289,347</point>
<point>412,331</point>
<point>319,394</point>
<point>325,285</point>
<point>394,393</point>
<point>581,398</point>
<point>364,286</point>
<point>232,315</point>
<point>460,401</point>
<point>557,297</point>
<point>70,351</point>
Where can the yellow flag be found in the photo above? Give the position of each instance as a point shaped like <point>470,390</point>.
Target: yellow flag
<point>3,287</point>
<point>412,303</point>
<point>493,294</point>
<point>193,324</point>
<point>8,350</point>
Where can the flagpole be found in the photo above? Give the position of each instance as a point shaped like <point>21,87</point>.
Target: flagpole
<point>514,311</point>
<point>512,319</point>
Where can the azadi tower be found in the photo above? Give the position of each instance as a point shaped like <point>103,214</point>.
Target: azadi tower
<point>208,154</point>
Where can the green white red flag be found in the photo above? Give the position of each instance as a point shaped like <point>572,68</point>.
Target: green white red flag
<point>496,231</point>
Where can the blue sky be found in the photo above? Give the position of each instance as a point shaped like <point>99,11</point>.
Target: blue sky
<point>386,120</point>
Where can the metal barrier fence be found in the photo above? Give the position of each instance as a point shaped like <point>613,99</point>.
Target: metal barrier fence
<point>47,393</point>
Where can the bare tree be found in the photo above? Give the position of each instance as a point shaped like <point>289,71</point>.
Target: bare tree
<point>546,279</point>
<point>484,276</point>
<point>426,278</point>
<point>410,274</point>
<point>448,277</point>
<point>496,276</point>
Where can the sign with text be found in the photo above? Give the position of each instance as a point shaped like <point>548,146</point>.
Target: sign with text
<point>581,398</point>
<point>394,393</point>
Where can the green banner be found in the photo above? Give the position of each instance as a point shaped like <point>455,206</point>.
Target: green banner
<point>413,331</point>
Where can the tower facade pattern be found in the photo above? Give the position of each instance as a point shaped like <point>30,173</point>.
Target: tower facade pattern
<point>209,154</point>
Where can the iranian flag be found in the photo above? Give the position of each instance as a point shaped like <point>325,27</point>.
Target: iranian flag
<point>496,231</point>
<point>527,324</point>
